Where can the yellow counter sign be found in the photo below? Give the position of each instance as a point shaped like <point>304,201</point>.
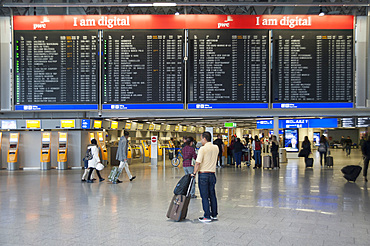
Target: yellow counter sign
<point>68,123</point>
<point>128,126</point>
<point>97,123</point>
<point>33,124</point>
<point>114,125</point>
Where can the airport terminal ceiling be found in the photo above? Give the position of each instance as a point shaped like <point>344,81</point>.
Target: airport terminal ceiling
<point>251,7</point>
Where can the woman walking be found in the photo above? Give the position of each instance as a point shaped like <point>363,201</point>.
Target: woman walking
<point>323,149</point>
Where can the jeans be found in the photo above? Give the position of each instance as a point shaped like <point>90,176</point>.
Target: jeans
<point>238,158</point>
<point>190,170</point>
<point>257,158</point>
<point>232,157</point>
<point>348,150</point>
<point>207,182</point>
<point>220,157</point>
<point>322,154</point>
<point>366,165</point>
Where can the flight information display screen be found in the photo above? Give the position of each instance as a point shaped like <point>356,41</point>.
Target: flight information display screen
<point>56,67</point>
<point>313,66</point>
<point>143,66</point>
<point>228,66</point>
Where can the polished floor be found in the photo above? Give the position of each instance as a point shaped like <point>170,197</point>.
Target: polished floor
<point>290,206</point>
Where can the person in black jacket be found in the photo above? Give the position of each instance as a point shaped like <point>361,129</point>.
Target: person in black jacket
<point>348,144</point>
<point>306,148</point>
<point>366,153</point>
<point>238,151</point>
<point>275,151</point>
<point>220,145</point>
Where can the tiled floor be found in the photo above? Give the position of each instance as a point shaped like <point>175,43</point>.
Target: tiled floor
<point>290,206</point>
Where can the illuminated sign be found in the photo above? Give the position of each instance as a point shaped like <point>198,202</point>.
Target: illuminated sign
<point>114,125</point>
<point>67,123</point>
<point>35,124</point>
<point>97,123</point>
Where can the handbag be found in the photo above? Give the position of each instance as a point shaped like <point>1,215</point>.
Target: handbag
<point>99,167</point>
<point>302,153</point>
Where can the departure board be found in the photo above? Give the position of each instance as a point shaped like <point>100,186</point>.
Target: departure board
<point>143,66</point>
<point>56,67</point>
<point>313,66</point>
<point>228,66</point>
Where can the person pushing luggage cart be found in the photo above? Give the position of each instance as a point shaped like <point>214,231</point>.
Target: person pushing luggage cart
<point>121,156</point>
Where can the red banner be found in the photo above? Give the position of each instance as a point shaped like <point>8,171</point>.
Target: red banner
<point>88,22</point>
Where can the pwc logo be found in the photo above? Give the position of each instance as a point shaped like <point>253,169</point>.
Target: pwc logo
<point>226,23</point>
<point>42,24</point>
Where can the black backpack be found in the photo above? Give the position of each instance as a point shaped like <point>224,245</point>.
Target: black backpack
<point>183,185</point>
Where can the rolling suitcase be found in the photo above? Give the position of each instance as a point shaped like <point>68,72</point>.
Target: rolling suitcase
<point>179,205</point>
<point>329,161</point>
<point>267,161</point>
<point>114,174</point>
<point>351,172</point>
<point>309,162</point>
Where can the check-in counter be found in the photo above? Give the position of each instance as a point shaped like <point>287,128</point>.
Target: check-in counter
<point>145,151</point>
<point>103,148</point>
<point>12,157</point>
<point>62,150</point>
<point>45,163</point>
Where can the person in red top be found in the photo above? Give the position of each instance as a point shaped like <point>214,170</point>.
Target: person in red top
<point>188,153</point>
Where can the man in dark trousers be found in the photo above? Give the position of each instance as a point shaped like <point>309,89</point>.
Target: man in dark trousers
<point>121,155</point>
<point>366,153</point>
<point>220,146</point>
<point>206,165</point>
<point>348,145</point>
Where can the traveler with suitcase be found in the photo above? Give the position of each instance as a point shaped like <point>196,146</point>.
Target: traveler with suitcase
<point>275,152</point>
<point>257,146</point>
<point>306,151</point>
<point>188,153</point>
<point>206,165</point>
<point>121,156</point>
<point>323,149</point>
<point>366,153</point>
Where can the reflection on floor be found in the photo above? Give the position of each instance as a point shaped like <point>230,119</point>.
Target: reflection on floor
<point>290,206</point>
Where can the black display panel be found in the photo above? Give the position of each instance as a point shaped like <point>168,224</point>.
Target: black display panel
<point>363,122</point>
<point>348,122</point>
<point>143,66</point>
<point>228,66</point>
<point>56,67</point>
<point>313,66</point>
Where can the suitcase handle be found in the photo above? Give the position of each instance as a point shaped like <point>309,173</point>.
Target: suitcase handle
<point>190,185</point>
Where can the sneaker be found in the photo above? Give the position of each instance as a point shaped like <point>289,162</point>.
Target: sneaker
<point>89,181</point>
<point>101,180</point>
<point>214,218</point>
<point>204,220</point>
<point>134,177</point>
<point>193,196</point>
<point>118,181</point>
<point>83,180</point>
